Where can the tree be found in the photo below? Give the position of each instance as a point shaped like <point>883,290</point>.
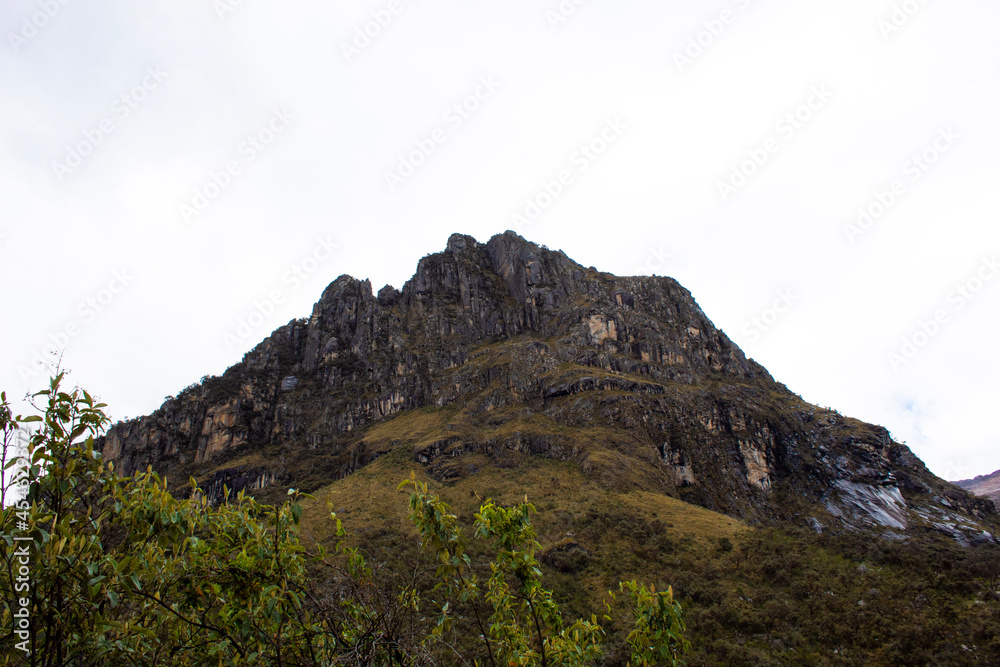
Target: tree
<point>123,573</point>
<point>525,625</point>
<point>101,569</point>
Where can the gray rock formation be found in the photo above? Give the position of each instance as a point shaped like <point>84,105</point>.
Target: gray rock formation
<point>530,354</point>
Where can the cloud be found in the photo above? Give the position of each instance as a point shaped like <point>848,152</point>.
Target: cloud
<point>654,190</point>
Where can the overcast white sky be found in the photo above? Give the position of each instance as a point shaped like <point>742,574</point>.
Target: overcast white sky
<point>169,168</point>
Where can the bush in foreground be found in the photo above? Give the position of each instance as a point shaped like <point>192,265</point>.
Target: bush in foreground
<point>110,570</point>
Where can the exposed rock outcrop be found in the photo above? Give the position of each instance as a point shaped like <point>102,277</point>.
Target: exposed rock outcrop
<point>528,353</point>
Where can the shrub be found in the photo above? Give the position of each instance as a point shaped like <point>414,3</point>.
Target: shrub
<point>119,572</point>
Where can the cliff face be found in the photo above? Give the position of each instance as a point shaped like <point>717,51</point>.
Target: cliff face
<point>506,350</point>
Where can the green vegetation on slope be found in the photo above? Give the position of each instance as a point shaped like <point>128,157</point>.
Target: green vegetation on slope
<point>100,569</point>
<point>124,573</point>
<point>751,596</point>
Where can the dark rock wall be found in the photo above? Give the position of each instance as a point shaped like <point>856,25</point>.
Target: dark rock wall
<point>509,326</point>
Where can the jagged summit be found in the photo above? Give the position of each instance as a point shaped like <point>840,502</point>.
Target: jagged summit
<point>521,352</point>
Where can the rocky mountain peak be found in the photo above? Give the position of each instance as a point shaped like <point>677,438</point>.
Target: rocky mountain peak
<point>521,352</point>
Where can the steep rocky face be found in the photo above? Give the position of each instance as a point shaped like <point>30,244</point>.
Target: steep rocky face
<point>514,350</point>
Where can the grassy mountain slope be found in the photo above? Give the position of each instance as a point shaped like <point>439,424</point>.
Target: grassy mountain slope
<point>776,595</point>
<point>650,444</point>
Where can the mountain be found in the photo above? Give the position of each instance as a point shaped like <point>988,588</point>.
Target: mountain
<point>494,355</point>
<point>983,485</point>
<point>651,446</point>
